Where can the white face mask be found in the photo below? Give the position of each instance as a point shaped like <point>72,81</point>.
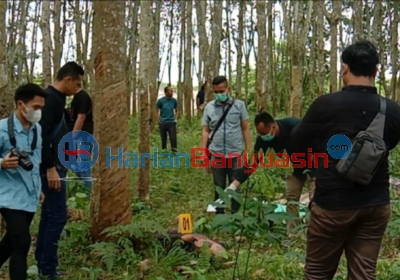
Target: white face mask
<point>31,115</point>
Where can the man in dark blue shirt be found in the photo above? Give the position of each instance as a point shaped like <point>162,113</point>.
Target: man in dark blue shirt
<point>167,114</point>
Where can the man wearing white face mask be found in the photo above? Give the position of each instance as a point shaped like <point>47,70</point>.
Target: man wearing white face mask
<point>275,134</point>
<point>20,183</point>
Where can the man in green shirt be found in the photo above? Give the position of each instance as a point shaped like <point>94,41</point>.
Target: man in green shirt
<point>166,114</point>
<point>275,134</point>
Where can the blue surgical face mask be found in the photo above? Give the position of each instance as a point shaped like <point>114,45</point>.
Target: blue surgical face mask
<point>221,97</point>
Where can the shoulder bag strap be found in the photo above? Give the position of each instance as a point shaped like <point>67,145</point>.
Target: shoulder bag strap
<point>11,134</point>
<point>219,123</point>
<point>377,125</point>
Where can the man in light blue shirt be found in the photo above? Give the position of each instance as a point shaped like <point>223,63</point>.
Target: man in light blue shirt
<point>20,183</point>
<point>231,139</point>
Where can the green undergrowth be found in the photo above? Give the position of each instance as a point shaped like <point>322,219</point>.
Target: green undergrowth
<point>264,252</point>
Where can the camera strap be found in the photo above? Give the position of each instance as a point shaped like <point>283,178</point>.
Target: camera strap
<point>11,134</point>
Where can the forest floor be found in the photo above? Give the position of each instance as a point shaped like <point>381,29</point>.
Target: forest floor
<point>265,254</point>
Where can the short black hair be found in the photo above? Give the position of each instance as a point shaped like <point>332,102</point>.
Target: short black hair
<point>264,118</point>
<point>70,69</point>
<point>219,80</point>
<point>166,88</point>
<point>27,92</point>
<point>362,58</point>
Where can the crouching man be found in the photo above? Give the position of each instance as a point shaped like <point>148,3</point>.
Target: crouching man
<point>20,183</point>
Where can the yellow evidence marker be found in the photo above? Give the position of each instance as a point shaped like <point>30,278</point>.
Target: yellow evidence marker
<point>185,224</point>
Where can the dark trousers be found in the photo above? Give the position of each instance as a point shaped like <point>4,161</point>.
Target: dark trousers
<point>16,242</point>
<point>169,128</point>
<point>52,221</point>
<point>357,232</point>
<point>220,174</point>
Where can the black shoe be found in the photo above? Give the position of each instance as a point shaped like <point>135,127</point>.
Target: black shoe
<point>58,275</point>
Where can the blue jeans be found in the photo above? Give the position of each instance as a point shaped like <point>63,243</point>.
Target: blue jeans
<point>52,221</point>
<point>86,176</point>
<point>220,174</point>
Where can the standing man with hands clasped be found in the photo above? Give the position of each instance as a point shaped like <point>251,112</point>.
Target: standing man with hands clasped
<point>54,209</point>
<point>167,114</point>
<point>20,184</point>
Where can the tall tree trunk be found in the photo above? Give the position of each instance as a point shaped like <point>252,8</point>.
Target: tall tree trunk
<point>298,36</point>
<point>155,60</point>
<point>228,37</point>
<point>111,195</point>
<point>215,49</point>
<point>32,61</point>
<point>21,50</point>
<point>188,60</point>
<point>333,19</point>
<point>59,32</point>
<point>6,98</point>
<point>145,82</point>
<point>181,56</point>
<point>204,45</point>
<point>357,18</point>
<point>46,44</point>
<point>394,50</point>
<point>271,83</point>
<point>133,50</point>
<point>320,48</point>
<point>239,48</point>
<point>261,56</point>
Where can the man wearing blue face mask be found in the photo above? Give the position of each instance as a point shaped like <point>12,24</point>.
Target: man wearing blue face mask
<point>275,134</point>
<point>225,128</point>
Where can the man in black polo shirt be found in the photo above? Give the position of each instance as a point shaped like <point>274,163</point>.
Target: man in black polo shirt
<point>347,216</point>
<point>82,119</point>
<point>54,209</point>
<point>276,135</point>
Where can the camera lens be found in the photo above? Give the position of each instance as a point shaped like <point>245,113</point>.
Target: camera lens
<point>26,164</point>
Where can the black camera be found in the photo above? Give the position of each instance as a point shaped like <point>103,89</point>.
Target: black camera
<point>23,159</point>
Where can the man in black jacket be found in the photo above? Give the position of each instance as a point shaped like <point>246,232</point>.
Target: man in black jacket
<point>275,134</point>
<point>54,209</point>
<point>346,216</point>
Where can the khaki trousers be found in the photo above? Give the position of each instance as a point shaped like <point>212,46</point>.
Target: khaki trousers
<point>294,188</point>
<point>357,232</point>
